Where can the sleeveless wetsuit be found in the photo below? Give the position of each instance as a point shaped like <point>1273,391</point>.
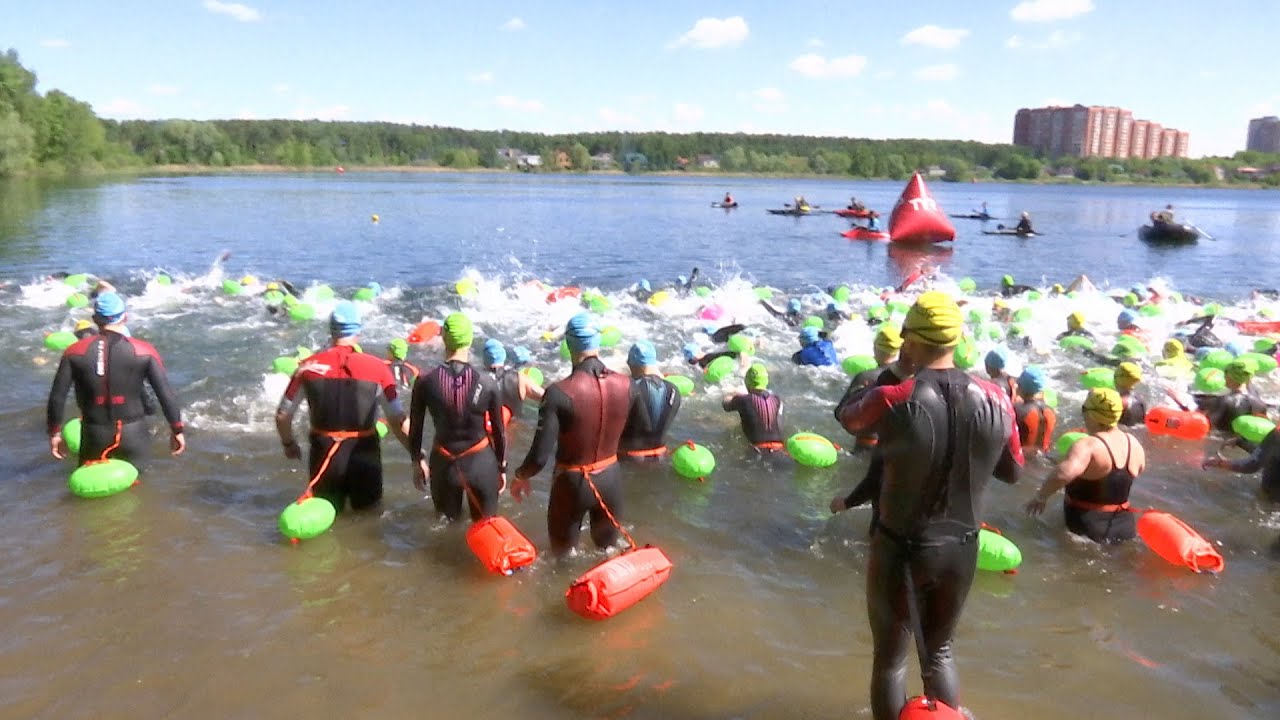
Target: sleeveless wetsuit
<point>581,419</point>
<point>1098,508</point>
<point>1036,422</point>
<point>656,405</point>
<point>759,412</point>
<point>404,372</point>
<point>508,384</point>
<point>343,388</point>
<point>108,371</point>
<point>943,434</point>
<point>1135,411</point>
<point>1267,459</point>
<point>466,459</point>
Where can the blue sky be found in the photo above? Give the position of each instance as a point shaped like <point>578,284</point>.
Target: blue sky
<point>925,68</point>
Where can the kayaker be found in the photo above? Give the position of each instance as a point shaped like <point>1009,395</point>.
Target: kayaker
<point>873,221</point>
<point>983,213</point>
<point>1024,225</point>
<point>855,205</point>
<point>728,200</point>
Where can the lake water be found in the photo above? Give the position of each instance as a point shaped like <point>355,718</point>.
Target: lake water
<point>179,597</point>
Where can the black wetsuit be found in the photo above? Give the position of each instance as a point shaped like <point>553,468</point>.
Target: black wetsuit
<point>1012,290</point>
<point>1098,508</point>
<point>791,318</point>
<point>508,382</point>
<point>466,458</point>
<point>405,373</point>
<point>943,434</point>
<point>581,419</point>
<point>1266,457</point>
<point>108,371</point>
<point>1202,336</point>
<point>1135,410</point>
<point>759,411</point>
<point>723,334</point>
<point>707,359</point>
<point>343,388</point>
<point>1224,409</point>
<point>656,405</point>
<point>1076,333</point>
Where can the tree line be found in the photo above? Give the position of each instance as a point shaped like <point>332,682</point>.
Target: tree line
<point>55,133</point>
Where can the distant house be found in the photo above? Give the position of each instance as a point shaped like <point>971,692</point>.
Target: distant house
<point>510,156</point>
<point>602,161</point>
<point>530,162</point>
<point>682,162</point>
<point>708,162</point>
<point>935,171</point>
<point>634,161</point>
<point>563,161</point>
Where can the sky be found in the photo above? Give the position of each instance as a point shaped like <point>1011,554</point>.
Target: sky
<point>875,69</point>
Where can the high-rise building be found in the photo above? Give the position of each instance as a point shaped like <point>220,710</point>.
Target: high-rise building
<point>1094,131</point>
<point>1264,135</point>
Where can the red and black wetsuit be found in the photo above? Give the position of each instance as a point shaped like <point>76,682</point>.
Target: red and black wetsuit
<point>1036,422</point>
<point>404,372</point>
<point>460,399</point>
<point>657,402</point>
<point>108,371</point>
<point>861,383</point>
<point>343,388</point>
<point>869,489</point>
<point>508,384</point>
<point>943,435</point>
<point>1098,508</point>
<point>759,411</point>
<point>581,419</point>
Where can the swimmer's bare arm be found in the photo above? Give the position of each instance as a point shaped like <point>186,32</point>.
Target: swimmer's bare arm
<point>1072,466</point>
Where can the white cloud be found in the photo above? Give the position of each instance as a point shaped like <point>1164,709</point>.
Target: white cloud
<point>511,102</point>
<point>710,33</point>
<point>243,13</point>
<point>885,75</point>
<point>480,78</point>
<point>935,37</point>
<point>280,88</point>
<point>769,100</point>
<point>815,66</point>
<point>55,43</point>
<point>942,72</point>
<point>1014,42</point>
<point>616,120</point>
<point>164,89</point>
<point>246,114</point>
<point>686,114</point>
<point>1208,74</point>
<point>514,24</point>
<point>1055,40</point>
<point>1049,10</point>
<point>120,108</point>
<point>814,43</point>
<point>939,107</point>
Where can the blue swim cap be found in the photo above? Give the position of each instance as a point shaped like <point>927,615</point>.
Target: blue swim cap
<point>1139,290</point>
<point>682,280</point>
<point>109,307</point>
<point>1201,352</point>
<point>581,334</point>
<point>996,359</point>
<point>690,351</point>
<point>1032,380</point>
<point>1126,318</point>
<point>494,353</point>
<point>793,305</point>
<point>345,320</point>
<point>521,355</point>
<point>1235,348</point>
<point>809,335</point>
<point>375,286</point>
<point>831,307</point>
<point>642,354</point>
<point>644,285</point>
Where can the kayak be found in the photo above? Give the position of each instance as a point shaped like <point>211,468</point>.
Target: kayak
<point>790,211</point>
<point>1169,234</point>
<point>726,206</point>
<point>851,213</point>
<point>1010,231</point>
<point>975,216</point>
<point>861,233</point>
<point>1257,327</point>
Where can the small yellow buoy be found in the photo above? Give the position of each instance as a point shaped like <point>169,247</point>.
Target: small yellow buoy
<point>374,218</point>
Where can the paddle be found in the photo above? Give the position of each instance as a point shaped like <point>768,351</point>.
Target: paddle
<point>1202,232</point>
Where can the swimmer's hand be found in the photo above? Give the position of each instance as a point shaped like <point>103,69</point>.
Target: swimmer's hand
<point>1212,461</point>
<point>1035,506</point>
<point>520,487</point>
<point>837,505</point>
<point>420,475</point>
<point>56,446</point>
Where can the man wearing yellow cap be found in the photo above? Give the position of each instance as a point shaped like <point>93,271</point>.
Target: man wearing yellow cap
<point>943,434</point>
<point>1096,479</point>
<point>1128,375</point>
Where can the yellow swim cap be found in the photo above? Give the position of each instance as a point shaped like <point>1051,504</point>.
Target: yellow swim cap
<point>273,286</point>
<point>248,280</point>
<point>83,325</point>
<point>1172,349</point>
<point>999,304</point>
<point>935,319</point>
<point>1075,321</point>
<point>1103,406</point>
<point>888,339</point>
<point>1058,289</point>
<point>1128,373</point>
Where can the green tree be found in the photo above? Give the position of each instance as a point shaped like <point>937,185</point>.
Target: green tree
<point>893,167</point>
<point>958,170</point>
<point>17,143</point>
<point>580,156</point>
<point>734,159</point>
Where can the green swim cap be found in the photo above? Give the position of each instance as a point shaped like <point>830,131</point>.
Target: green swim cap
<point>1007,280</point>
<point>457,332</point>
<point>399,348</point>
<point>757,377</point>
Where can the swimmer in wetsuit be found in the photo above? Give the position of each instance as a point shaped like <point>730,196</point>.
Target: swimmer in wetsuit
<point>1009,289</point>
<point>581,419</point>
<point>656,405</point>
<point>943,434</point>
<point>1266,457</point>
<point>1127,377</point>
<point>108,371</point>
<point>514,387</point>
<point>995,362</point>
<point>1097,483</point>
<point>792,316</point>
<point>1239,400</point>
<point>84,329</point>
<point>815,349</point>
<point>643,291</point>
<point>468,458</point>
<point>1203,335</point>
<point>343,388</point>
<point>1173,360</point>
<point>1075,327</point>
<point>759,410</point>
<point>405,372</point>
<point>1036,420</point>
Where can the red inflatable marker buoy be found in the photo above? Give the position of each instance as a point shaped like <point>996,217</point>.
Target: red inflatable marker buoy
<point>562,293</point>
<point>1183,424</point>
<point>1178,543</point>
<point>500,546</point>
<point>424,332</point>
<point>922,708</point>
<point>618,583</point>
<point>917,219</point>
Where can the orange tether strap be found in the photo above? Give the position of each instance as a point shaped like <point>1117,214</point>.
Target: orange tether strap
<point>1083,505</point>
<point>586,471</point>
<point>115,443</point>
<point>650,453</point>
<point>452,458</point>
<point>337,436</point>
<point>768,445</point>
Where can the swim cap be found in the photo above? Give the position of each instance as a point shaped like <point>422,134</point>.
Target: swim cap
<point>1239,372</point>
<point>1235,347</point>
<point>793,305</point>
<point>1075,321</point>
<point>345,320</point>
<point>757,377</point>
<point>999,304</point>
<point>888,340</point>
<point>375,287</point>
<point>1007,280</point>
<point>1058,289</point>
<point>457,331</point>
<point>644,285</point>
<point>682,280</point>
<point>399,348</point>
<point>1128,373</point>
<point>273,286</point>
<point>1172,349</point>
<point>642,355</point>
<point>690,351</point>
<point>520,354</point>
<point>248,280</point>
<point>581,333</point>
<point>109,307</point>
<point>1140,291</point>
<point>1126,318</point>
<point>82,325</point>
<point>996,359</point>
<point>935,319</point>
<point>1031,381</point>
<point>1103,406</point>
<point>809,335</point>
<point>494,353</point>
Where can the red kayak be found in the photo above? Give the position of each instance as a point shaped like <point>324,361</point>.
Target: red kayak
<point>1258,327</point>
<point>861,233</point>
<point>851,213</point>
